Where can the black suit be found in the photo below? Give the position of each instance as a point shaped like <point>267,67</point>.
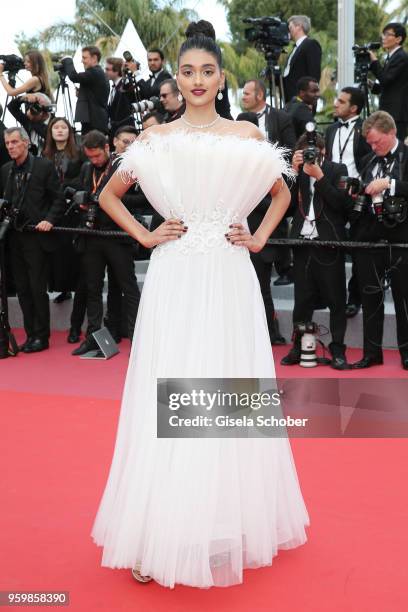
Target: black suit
<point>41,200</point>
<point>4,156</point>
<point>393,88</point>
<point>360,150</point>
<point>320,272</point>
<point>120,110</point>
<point>279,129</point>
<point>300,114</point>
<point>305,61</point>
<point>91,108</point>
<point>151,88</point>
<point>371,264</point>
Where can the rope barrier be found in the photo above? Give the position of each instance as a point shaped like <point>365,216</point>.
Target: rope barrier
<point>288,242</point>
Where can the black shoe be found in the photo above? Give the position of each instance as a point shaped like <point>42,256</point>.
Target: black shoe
<point>74,336</point>
<point>352,310</point>
<point>27,342</point>
<point>62,297</point>
<point>404,362</point>
<point>36,345</point>
<point>292,358</point>
<point>278,341</point>
<point>283,279</point>
<point>87,345</point>
<point>338,353</point>
<point>367,362</point>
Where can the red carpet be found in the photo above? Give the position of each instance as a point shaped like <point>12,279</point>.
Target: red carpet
<point>58,419</point>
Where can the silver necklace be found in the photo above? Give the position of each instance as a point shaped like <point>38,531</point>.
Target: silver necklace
<point>201,127</point>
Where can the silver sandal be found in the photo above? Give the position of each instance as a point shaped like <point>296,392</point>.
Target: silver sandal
<point>138,576</point>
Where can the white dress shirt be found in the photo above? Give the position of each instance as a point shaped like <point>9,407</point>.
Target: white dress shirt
<point>309,229</point>
<point>343,145</point>
<point>261,114</point>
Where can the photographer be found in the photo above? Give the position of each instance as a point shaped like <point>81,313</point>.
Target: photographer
<point>320,211</point>
<point>305,57</point>
<point>393,76</point>
<point>37,83</point>
<point>91,108</point>
<point>31,187</point>
<point>302,107</point>
<point>98,251</point>
<point>158,74</point>
<point>120,111</point>
<point>171,100</point>
<point>346,144</point>
<point>382,217</point>
<point>35,119</point>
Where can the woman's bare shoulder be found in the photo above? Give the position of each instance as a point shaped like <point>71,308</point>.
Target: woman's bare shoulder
<point>244,129</point>
<point>164,128</point>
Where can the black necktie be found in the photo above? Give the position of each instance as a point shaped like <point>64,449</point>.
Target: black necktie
<point>259,115</point>
<point>343,124</point>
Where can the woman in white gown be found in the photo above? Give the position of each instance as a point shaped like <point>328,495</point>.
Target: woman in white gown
<point>198,511</point>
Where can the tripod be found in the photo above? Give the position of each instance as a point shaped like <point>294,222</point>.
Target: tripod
<point>66,98</point>
<point>12,83</point>
<point>363,85</point>
<point>273,74</point>
<point>8,344</point>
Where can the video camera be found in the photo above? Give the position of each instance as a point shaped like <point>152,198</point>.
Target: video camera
<point>57,65</point>
<point>7,215</point>
<point>12,63</point>
<point>311,153</point>
<point>267,33</point>
<point>86,201</point>
<point>362,60</point>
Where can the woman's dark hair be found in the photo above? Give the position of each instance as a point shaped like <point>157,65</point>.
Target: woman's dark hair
<point>39,69</point>
<point>204,43</point>
<point>71,149</point>
<point>203,27</point>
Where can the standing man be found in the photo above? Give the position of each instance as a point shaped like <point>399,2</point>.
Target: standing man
<point>91,108</point>
<point>386,172</point>
<point>170,99</point>
<point>120,111</point>
<point>393,76</point>
<point>305,57</point>
<point>345,144</point>
<point>158,74</point>
<point>30,184</point>
<point>302,107</point>
<point>277,127</point>
<point>320,212</point>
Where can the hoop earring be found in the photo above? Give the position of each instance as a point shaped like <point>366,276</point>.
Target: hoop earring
<point>180,97</point>
<point>220,95</point>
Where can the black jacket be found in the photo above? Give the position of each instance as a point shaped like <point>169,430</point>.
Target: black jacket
<point>43,199</point>
<point>4,156</point>
<point>306,61</point>
<point>120,111</point>
<point>364,225</point>
<point>91,107</point>
<point>360,146</point>
<point>331,205</point>
<point>148,90</point>
<point>393,85</point>
<point>300,114</point>
<point>279,126</point>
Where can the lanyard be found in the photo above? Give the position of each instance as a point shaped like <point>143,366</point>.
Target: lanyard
<point>342,149</point>
<point>96,183</point>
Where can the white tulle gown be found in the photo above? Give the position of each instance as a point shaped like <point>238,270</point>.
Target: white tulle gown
<point>198,511</point>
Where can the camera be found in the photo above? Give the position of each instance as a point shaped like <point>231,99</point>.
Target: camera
<point>12,63</point>
<point>36,108</point>
<point>362,60</point>
<point>8,214</point>
<point>267,33</point>
<point>128,77</point>
<point>87,200</point>
<point>356,187</point>
<point>146,105</point>
<point>311,153</point>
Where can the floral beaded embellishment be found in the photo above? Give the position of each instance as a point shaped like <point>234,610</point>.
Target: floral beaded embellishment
<point>206,230</point>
